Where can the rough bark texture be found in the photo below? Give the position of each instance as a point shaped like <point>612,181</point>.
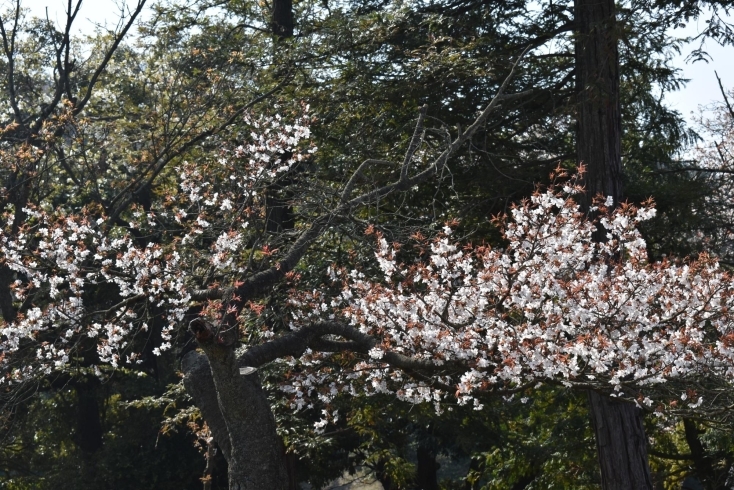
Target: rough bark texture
<point>620,435</point>
<point>621,443</point>
<point>598,139</point>
<point>254,455</point>
<point>200,385</point>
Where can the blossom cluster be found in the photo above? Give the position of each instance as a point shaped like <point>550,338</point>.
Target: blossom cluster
<point>82,283</point>
<point>712,170</point>
<point>62,263</point>
<point>220,199</point>
<point>554,305</point>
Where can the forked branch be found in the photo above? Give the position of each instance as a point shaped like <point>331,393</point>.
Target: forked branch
<point>347,204</point>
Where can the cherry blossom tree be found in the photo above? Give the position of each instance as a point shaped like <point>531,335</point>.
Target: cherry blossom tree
<point>91,285</point>
<point>713,165</point>
<point>89,289</point>
<point>454,321</point>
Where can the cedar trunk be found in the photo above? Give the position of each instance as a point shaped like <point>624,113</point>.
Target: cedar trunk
<point>620,435</point>
<point>282,19</point>
<point>599,130</point>
<point>621,444</point>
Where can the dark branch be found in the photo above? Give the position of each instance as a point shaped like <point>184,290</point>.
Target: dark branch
<point>108,56</point>
<point>415,143</point>
<point>9,49</point>
<point>726,99</point>
<point>128,194</point>
<point>269,277</point>
<point>296,343</point>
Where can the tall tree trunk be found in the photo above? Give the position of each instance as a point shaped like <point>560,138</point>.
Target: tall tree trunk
<point>282,19</point>
<point>621,444</point>
<point>620,435</point>
<point>239,416</point>
<point>599,130</point>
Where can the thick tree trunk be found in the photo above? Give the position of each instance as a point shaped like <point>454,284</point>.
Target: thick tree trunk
<point>599,131</point>
<point>620,435</point>
<point>621,444</point>
<point>199,385</point>
<point>241,420</point>
<point>282,19</point>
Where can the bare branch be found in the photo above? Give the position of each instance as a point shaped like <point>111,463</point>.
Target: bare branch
<point>63,82</point>
<point>726,99</point>
<point>9,49</point>
<point>127,195</point>
<point>108,56</point>
<point>295,344</point>
<point>415,143</point>
<point>347,192</point>
<point>268,277</point>
<point>66,69</point>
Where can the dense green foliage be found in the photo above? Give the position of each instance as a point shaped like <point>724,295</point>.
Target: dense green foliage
<point>78,432</point>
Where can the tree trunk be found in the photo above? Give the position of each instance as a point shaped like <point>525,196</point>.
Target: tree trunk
<point>621,444</point>
<point>291,462</point>
<point>241,420</point>
<point>427,469</point>
<point>701,461</point>
<point>282,19</point>
<point>620,435</point>
<point>599,130</point>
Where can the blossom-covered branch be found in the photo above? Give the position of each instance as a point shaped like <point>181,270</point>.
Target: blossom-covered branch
<point>553,305</point>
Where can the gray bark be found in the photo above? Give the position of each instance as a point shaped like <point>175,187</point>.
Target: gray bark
<point>199,384</point>
<point>254,455</point>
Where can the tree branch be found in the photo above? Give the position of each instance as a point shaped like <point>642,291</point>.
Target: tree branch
<point>296,343</point>
<point>127,195</point>
<point>270,276</point>
<point>9,49</point>
<point>415,143</point>
<point>108,56</point>
<point>726,99</point>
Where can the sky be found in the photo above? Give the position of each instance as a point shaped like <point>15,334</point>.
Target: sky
<point>702,89</point>
<point>92,12</point>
